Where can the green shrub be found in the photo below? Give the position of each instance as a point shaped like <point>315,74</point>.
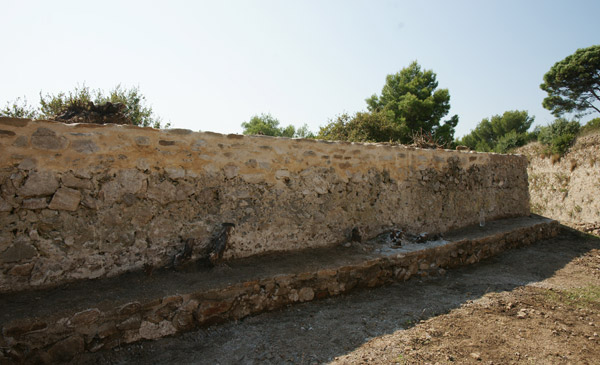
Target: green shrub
<point>591,126</point>
<point>558,136</point>
<point>510,141</point>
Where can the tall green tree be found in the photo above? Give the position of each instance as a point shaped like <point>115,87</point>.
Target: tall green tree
<point>500,132</point>
<point>411,99</point>
<point>573,84</point>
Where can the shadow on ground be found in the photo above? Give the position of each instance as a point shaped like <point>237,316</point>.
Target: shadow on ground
<point>317,332</point>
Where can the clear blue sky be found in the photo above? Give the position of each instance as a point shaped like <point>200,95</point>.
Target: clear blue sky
<point>210,65</point>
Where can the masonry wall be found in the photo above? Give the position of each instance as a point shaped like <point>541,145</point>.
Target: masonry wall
<point>86,201</point>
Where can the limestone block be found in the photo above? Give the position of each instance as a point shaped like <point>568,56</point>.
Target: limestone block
<point>66,349</point>
<point>85,317</point>
<point>39,183</point>
<point>65,199</point>
<point>71,181</point>
<point>18,252</point>
<point>35,203</point>
<point>164,193</point>
<point>175,173</point>
<point>46,139</point>
<point>84,146</point>
<point>5,206</point>
<point>150,331</point>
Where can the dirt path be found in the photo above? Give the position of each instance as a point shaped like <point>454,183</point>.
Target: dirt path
<point>538,304</point>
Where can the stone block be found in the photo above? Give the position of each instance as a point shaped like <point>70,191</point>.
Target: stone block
<point>66,349</point>
<point>35,203</point>
<point>150,331</point>
<point>84,146</point>
<point>19,251</point>
<point>47,139</point>
<point>85,317</point>
<point>71,181</point>
<point>39,183</point>
<point>65,199</point>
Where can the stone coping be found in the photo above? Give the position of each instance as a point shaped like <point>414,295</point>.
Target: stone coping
<point>53,325</point>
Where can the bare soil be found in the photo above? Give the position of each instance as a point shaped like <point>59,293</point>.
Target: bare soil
<point>537,304</point>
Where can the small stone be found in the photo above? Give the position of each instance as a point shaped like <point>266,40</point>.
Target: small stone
<point>184,321</point>
<point>130,308</point>
<point>46,139</point>
<point>5,133</point>
<point>306,294</point>
<point>521,314</point>
<point>21,141</point>
<point>475,355</point>
<point>35,203</point>
<point>85,317</point>
<point>175,173</point>
<point>65,199</point>
<point>84,146</point>
<point>28,164</point>
<point>21,270</point>
<point>142,141</point>
<point>4,206</point>
<point>142,164</point>
<point>66,349</point>
<point>150,331</point>
<point>131,323</point>
<point>293,296</point>
<point>230,171</point>
<point>39,183</point>
<point>20,327</point>
<point>71,181</point>
<point>18,252</point>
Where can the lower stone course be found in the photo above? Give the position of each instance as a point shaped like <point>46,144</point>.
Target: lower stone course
<point>97,314</point>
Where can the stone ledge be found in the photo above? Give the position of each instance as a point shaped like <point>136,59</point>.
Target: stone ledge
<point>105,313</point>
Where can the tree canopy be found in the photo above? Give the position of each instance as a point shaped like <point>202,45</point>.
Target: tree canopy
<point>362,127</point>
<point>266,124</point>
<point>410,102</point>
<point>573,84</point>
<point>500,132</point>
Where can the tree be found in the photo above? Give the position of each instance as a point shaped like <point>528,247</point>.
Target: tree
<point>362,127</point>
<point>267,125</point>
<point>411,100</point>
<point>500,132</point>
<point>573,84</point>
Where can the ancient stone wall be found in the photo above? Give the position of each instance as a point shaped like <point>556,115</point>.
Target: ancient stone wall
<point>85,201</point>
<point>567,189</point>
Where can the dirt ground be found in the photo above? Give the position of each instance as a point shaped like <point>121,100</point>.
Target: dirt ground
<point>538,304</point>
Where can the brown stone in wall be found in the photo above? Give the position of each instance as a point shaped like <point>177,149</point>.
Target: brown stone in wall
<point>39,183</point>
<point>47,139</point>
<point>19,251</point>
<point>65,199</point>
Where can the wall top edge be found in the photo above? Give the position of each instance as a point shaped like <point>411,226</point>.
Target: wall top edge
<point>181,132</point>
